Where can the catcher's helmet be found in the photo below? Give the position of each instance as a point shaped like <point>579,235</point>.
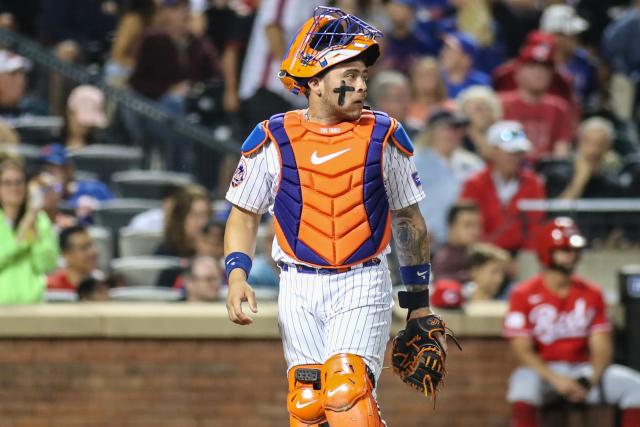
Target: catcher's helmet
<point>561,233</point>
<point>328,38</point>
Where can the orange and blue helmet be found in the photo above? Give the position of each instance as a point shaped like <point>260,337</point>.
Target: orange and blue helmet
<point>328,38</point>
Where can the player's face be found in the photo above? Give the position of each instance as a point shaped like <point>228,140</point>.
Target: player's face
<point>344,88</point>
<point>566,260</point>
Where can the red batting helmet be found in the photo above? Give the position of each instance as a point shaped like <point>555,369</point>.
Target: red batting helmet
<point>561,233</point>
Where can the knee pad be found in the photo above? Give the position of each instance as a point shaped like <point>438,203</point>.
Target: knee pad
<point>347,388</point>
<point>304,401</point>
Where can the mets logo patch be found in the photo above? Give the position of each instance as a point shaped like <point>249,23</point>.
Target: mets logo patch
<point>240,173</point>
<point>416,179</point>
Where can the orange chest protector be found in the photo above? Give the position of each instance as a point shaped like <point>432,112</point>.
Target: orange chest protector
<point>331,208</point>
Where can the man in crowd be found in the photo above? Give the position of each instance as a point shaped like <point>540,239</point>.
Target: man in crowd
<point>203,280</point>
<point>457,58</point>
<point>80,259</point>
<point>547,119</point>
<point>501,185</point>
<point>390,92</point>
<point>464,228</point>
<point>14,101</point>
<point>559,331</point>
<point>443,166</point>
<point>587,176</point>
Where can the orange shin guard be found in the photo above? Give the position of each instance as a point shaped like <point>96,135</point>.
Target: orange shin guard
<point>347,393</point>
<point>304,401</point>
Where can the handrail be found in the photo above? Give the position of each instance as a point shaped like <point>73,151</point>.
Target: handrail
<point>141,105</point>
<point>580,205</point>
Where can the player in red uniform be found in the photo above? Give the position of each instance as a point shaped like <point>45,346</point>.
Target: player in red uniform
<point>560,333</point>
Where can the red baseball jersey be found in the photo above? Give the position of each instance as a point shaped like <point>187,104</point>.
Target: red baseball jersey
<point>559,325</point>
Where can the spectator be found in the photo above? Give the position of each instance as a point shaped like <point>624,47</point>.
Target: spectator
<point>443,166</point>
<point>91,289</point>
<point>463,230</point>
<point>402,43</point>
<point>8,135</point>
<point>52,200</point>
<point>483,108</point>
<point>85,115</point>
<point>588,176</point>
<point>457,58</point>
<point>13,87</point>
<point>80,259</point>
<point>574,62</point>
<point>203,281</point>
<point>170,58</point>
<point>57,164</point>
<point>501,185</point>
<point>191,211</point>
<point>389,92</point>
<point>28,248</point>
<point>487,265</point>
<point>136,19</point>
<point>260,89</point>
<point>620,43</point>
<point>428,92</point>
<point>475,18</point>
<point>86,22</point>
<point>210,242</point>
<point>547,119</point>
<point>153,220</point>
<point>504,79</point>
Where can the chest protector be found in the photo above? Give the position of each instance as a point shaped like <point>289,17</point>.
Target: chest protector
<point>331,208</point>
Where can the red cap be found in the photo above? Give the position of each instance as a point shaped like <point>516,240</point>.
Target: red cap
<point>561,233</point>
<point>539,47</point>
<point>447,294</point>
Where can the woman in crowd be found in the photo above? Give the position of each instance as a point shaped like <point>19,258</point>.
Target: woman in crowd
<point>429,92</point>
<point>482,107</point>
<point>190,213</point>
<point>85,116</point>
<point>29,247</point>
<point>134,22</point>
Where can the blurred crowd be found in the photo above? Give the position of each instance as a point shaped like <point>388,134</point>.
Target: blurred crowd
<point>505,100</point>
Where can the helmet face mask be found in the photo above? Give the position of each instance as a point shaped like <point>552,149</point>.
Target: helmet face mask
<point>330,37</point>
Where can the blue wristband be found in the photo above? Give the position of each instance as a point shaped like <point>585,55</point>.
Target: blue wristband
<point>416,274</point>
<point>237,260</point>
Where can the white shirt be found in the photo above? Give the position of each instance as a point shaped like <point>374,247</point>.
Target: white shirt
<point>260,69</point>
<point>257,190</point>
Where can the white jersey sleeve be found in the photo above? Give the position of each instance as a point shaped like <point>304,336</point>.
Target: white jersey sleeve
<point>253,184</point>
<point>401,180</point>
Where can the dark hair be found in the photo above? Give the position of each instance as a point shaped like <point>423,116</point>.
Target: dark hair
<point>146,9</point>
<point>482,253</point>
<point>170,191</point>
<point>14,163</point>
<point>67,233</point>
<point>174,235</point>
<point>89,285</point>
<point>457,209</point>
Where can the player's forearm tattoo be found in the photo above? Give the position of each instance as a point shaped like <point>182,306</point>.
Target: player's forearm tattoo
<point>411,237</point>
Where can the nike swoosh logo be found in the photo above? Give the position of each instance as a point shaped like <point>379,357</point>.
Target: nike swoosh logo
<point>421,273</point>
<point>330,393</point>
<point>304,405</point>
<point>318,160</point>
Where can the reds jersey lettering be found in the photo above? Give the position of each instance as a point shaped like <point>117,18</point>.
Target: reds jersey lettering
<point>559,326</point>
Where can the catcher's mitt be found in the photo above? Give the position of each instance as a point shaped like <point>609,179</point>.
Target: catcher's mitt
<point>417,356</point>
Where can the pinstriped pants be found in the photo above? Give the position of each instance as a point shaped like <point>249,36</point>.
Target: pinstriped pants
<point>322,315</point>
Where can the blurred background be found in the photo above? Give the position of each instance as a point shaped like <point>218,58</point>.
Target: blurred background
<point>120,129</point>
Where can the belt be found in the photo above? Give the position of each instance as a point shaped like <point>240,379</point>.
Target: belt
<point>284,266</point>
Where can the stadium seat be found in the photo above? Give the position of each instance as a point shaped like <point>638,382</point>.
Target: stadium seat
<point>117,213</point>
<point>143,270</point>
<point>85,176</point>
<point>104,244</point>
<point>145,184</point>
<point>145,294</point>
<point>107,159</point>
<point>137,243</point>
